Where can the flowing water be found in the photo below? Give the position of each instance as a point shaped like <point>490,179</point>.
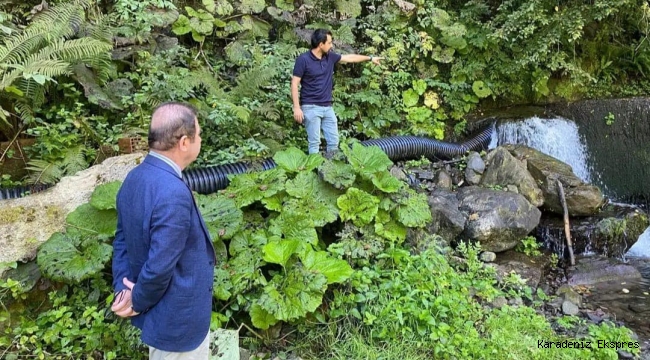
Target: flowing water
<point>562,139</point>
<point>618,176</point>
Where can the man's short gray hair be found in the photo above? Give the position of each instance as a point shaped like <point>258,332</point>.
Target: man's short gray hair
<point>169,123</point>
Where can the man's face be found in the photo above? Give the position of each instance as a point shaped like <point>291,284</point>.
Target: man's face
<point>195,147</point>
<point>327,45</point>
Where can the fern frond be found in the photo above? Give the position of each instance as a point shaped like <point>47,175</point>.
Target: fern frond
<point>43,172</point>
<point>72,50</point>
<point>62,20</point>
<point>49,68</point>
<point>25,111</point>
<point>250,81</point>
<point>268,111</point>
<point>74,161</point>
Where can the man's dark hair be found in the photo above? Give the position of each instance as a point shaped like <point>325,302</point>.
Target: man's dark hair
<point>169,123</point>
<point>319,37</point>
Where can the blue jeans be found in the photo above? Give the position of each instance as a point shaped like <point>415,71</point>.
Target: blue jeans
<point>317,118</point>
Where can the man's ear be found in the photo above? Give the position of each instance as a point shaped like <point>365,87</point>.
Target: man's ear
<point>183,143</point>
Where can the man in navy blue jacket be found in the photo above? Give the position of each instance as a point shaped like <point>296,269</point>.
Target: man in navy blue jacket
<point>163,260</point>
<point>314,72</point>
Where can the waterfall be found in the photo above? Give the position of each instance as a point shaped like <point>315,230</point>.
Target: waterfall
<point>557,137</point>
<point>642,247</point>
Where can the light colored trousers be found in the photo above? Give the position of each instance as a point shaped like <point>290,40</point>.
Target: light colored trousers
<point>317,118</point>
<point>200,353</point>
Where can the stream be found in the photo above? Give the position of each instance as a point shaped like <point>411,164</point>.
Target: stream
<point>615,156</point>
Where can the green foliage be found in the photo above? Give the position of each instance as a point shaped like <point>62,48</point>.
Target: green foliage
<point>529,246</point>
<point>609,119</point>
<point>73,256</point>
<point>70,323</point>
<point>104,196</point>
<point>82,252</point>
<point>43,51</point>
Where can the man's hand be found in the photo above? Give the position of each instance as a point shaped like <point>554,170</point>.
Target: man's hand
<point>375,59</point>
<point>122,305</point>
<point>297,115</point>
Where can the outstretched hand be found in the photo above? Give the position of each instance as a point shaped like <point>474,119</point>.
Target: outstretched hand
<point>122,305</point>
<point>376,59</point>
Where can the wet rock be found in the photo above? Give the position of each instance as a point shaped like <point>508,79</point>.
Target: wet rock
<point>582,199</point>
<point>398,173</point>
<point>424,174</point>
<point>444,180</point>
<point>569,308</point>
<point>447,220</point>
<point>497,219</point>
<point>475,162</point>
<point>529,269</point>
<point>512,188</point>
<point>611,232</point>
<point>475,167</point>
<point>590,271</point>
<point>516,301</point>
<point>488,256</point>
<point>504,169</point>
<point>569,294</point>
<point>499,302</point>
<point>622,354</point>
<point>594,317</point>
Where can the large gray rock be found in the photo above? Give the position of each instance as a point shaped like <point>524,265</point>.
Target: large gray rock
<point>497,219</point>
<point>504,169</point>
<point>27,222</point>
<point>475,167</point>
<point>582,199</point>
<point>447,221</point>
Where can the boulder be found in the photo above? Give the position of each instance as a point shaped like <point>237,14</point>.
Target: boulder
<point>582,199</point>
<point>530,269</point>
<point>447,221</point>
<point>505,170</point>
<point>475,167</point>
<point>497,219</point>
<point>27,222</point>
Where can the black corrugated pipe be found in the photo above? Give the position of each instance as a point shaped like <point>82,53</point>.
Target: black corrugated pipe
<point>210,179</point>
<point>20,191</point>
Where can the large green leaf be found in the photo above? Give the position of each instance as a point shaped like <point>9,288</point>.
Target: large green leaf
<point>295,295</point>
<point>358,206</point>
<point>350,8</point>
<point>223,8</point>
<point>252,6</point>
<point>304,185</point>
<point>284,4</point>
<point>420,86</point>
<point>261,318</point>
<point>91,221</point>
<point>410,97</point>
<point>73,256</point>
<point>209,5</point>
<point>104,196</point>
<point>388,228</point>
<point>480,89</point>
<point>413,209</point>
<point>444,56</point>
<point>247,241</point>
<point>182,25</point>
<point>275,202</point>
<point>367,160</point>
<point>386,182</point>
<point>337,173</point>
<point>279,252</point>
<point>319,211</point>
<point>245,189</point>
<point>294,225</point>
<point>335,270</point>
<point>221,215</point>
<point>294,160</point>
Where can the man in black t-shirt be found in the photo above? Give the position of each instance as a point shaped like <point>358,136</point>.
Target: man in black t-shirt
<point>314,71</point>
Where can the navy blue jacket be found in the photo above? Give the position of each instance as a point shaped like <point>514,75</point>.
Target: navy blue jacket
<point>163,245</point>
